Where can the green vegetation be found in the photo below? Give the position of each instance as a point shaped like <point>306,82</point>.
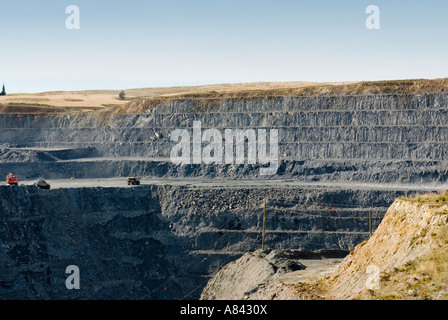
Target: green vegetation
<point>389,297</point>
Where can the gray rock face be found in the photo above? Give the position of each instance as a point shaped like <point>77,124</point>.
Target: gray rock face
<point>113,236</point>
<point>161,242</point>
<point>243,277</point>
<point>375,138</point>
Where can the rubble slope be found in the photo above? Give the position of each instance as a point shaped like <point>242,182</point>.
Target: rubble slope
<point>406,258</point>
<point>412,231</point>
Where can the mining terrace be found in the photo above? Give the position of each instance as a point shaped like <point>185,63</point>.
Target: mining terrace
<point>345,153</point>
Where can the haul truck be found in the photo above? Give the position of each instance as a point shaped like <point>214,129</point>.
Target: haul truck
<point>12,180</point>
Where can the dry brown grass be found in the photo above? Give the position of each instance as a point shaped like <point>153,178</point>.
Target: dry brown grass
<point>424,278</point>
<point>438,201</point>
<point>104,99</point>
<point>208,99</point>
<point>208,96</point>
<point>410,248</point>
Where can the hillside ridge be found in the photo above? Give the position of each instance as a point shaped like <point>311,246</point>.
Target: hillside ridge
<point>139,99</point>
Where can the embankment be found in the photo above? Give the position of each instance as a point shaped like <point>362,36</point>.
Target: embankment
<point>404,259</point>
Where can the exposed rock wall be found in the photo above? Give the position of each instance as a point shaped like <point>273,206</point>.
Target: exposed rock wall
<point>409,230</point>
<point>116,237</point>
<point>356,138</point>
<point>404,259</point>
<point>242,277</point>
<point>160,242</point>
<point>134,243</point>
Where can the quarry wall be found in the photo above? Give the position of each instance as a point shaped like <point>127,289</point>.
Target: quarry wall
<point>163,242</point>
<point>374,138</point>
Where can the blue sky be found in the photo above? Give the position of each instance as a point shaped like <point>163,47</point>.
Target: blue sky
<point>132,44</point>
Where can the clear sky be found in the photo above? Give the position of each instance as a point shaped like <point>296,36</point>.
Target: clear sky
<point>132,44</point>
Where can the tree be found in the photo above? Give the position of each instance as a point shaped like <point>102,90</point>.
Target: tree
<point>122,95</point>
<point>3,93</point>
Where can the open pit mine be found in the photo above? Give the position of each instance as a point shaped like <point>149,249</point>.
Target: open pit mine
<point>343,159</point>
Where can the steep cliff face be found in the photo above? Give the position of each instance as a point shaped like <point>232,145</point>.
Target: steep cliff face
<point>411,235</point>
<point>116,237</point>
<point>371,138</point>
<point>312,218</point>
<point>333,151</point>
<point>161,242</point>
<point>404,259</point>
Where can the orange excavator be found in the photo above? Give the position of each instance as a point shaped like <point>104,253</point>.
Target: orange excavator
<point>12,180</point>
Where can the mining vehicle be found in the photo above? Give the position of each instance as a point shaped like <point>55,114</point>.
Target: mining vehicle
<point>132,181</point>
<point>12,180</point>
<point>41,184</point>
